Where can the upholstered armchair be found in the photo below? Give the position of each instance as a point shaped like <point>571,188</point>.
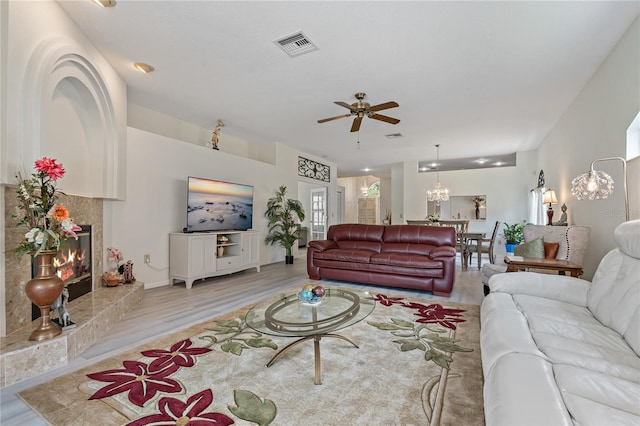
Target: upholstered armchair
<point>572,242</point>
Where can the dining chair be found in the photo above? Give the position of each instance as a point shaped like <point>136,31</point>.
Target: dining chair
<point>486,245</point>
<point>461,227</point>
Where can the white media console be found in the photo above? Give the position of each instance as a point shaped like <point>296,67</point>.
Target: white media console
<point>203,255</point>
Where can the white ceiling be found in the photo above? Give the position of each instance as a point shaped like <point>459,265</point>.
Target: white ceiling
<point>479,78</point>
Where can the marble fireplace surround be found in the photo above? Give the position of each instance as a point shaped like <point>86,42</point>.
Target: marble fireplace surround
<point>93,313</point>
<point>18,270</point>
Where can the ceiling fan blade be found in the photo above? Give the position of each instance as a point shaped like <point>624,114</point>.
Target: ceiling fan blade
<point>356,124</point>
<point>386,105</point>
<point>384,118</point>
<point>344,104</point>
<point>324,120</point>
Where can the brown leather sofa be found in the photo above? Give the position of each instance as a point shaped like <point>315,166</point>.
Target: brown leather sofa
<point>407,256</point>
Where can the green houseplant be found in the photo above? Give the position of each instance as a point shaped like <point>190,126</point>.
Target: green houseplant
<point>283,215</point>
<point>513,235</point>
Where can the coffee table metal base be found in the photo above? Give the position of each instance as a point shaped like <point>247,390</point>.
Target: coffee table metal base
<point>316,351</point>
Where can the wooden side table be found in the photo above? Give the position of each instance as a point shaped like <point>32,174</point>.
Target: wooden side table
<point>516,263</point>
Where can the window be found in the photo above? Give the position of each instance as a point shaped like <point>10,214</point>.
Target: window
<point>374,190</point>
<point>633,139</point>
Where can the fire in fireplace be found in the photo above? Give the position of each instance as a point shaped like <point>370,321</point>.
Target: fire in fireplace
<point>73,265</point>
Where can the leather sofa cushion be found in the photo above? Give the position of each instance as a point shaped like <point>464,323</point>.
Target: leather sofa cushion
<point>379,268</point>
<point>407,248</point>
<point>561,330</point>
<point>355,232</point>
<point>430,235</point>
<point>345,255</point>
<point>405,260</point>
<point>596,398</point>
<point>359,245</point>
<point>615,294</point>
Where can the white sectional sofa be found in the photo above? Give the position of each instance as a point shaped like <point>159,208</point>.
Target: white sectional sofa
<point>558,350</point>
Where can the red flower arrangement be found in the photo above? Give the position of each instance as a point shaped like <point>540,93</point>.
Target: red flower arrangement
<point>49,223</point>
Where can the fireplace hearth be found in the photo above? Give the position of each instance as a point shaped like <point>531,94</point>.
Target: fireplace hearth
<point>73,265</point>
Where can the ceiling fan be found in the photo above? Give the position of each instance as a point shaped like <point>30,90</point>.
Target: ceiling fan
<point>361,109</point>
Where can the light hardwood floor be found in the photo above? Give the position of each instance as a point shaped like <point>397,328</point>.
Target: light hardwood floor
<point>167,309</point>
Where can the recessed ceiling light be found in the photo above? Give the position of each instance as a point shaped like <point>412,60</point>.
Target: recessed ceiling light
<point>145,68</point>
<point>105,3</point>
<point>434,164</point>
<point>423,169</point>
<point>481,160</point>
<point>499,163</point>
<point>366,169</point>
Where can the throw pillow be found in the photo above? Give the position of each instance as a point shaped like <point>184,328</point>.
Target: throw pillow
<point>551,250</point>
<point>533,249</point>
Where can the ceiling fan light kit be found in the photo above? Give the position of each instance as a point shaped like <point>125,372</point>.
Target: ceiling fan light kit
<point>361,109</point>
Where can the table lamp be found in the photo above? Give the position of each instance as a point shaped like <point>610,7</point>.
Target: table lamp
<point>550,197</point>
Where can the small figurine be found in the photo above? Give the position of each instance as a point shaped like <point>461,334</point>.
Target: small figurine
<point>214,138</point>
<point>60,306</point>
<point>563,216</point>
<point>216,135</point>
<point>127,273</point>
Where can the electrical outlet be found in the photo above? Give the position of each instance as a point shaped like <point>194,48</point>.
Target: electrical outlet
<point>147,258</point>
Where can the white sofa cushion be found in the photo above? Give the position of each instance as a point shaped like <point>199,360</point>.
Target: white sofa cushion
<point>615,290</point>
<point>522,391</point>
<point>598,399</point>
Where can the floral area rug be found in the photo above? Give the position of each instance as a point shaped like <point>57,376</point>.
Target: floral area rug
<point>418,363</point>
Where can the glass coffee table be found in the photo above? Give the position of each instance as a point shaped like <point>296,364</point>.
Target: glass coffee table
<point>286,315</point>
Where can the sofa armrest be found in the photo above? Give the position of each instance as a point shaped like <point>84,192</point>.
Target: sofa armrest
<point>442,251</point>
<point>322,245</point>
<point>557,287</point>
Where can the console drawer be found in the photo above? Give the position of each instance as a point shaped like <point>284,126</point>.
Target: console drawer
<point>227,262</point>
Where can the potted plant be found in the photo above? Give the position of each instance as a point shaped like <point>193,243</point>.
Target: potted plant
<point>513,235</point>
<point>283,215</point>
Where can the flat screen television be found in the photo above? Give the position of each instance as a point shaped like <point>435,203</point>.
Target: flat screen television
<point>214,205</point>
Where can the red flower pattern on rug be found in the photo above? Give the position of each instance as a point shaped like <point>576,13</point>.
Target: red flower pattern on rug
<point>429,314</point>
<point>180,354</point>
<point>172,411</point>
<point>136,379</point>
<point>142,381</point>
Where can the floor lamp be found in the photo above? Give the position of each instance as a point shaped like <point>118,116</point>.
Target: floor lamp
<point>596,185</point>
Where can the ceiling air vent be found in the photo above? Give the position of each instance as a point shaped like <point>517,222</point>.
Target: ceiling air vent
<point>296,44</point>
<point>393,135</point>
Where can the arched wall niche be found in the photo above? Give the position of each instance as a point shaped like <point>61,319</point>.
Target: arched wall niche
<point>73,132</point>
<point>63,91</point>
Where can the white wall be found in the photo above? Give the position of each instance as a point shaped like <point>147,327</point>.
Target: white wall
<point>156,202</point>
<point>594,126</point>
<point>165,125</point>
<point>385,197</point>
<point>353,190</point>
<point>506,190</point>
<point>46,55</point>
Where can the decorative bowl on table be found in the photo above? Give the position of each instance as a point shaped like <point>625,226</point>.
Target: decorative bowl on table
<point>111,279</point>
<point>311,294</point>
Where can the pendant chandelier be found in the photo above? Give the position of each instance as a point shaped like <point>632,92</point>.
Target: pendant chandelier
<point>438,193</point>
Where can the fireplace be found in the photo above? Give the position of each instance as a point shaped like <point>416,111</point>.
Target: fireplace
<point>73,265</point>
